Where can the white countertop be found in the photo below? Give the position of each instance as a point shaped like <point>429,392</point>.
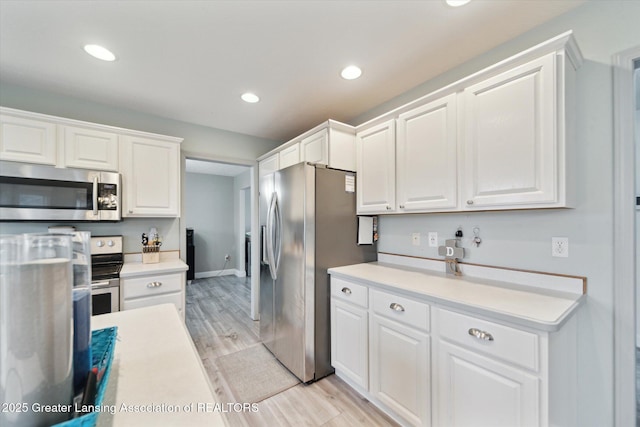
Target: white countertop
<point>538,309</point>
<point>156,363</point>
<point>137,268</point>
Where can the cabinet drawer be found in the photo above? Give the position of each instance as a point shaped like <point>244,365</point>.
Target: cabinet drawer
<point>349,291</point>
<point>175,298</point>
<point>151,285</point>
<point>404,310</point>
<point>503,342</point>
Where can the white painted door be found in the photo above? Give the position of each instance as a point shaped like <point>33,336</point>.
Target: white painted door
<point>151,177</point>
<point>476,391</point>
<point>290,156</point>
<point>426,165</point>
<point>349,342</point>
<point>315,148</point>
<point>399,370</point>
<point>27,140</point>
<point>511,140</point>
<point>375,156</point>
<point>90,148</point>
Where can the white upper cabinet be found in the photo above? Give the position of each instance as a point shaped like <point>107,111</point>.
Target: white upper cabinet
<point>331,143</point>
<point>426,164</point>
<point>289,156</point>
<point>375,156</point>
<point>513,153</point>
<point>501,138</point>
<point>315,148</point>
<point>151,177</point>
<point>90,148</point>
<point>269,165</point>
<point>23,139</point>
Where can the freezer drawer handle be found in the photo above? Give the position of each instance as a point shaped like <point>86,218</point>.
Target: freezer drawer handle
<point>346,290</point>
<point>154,284</point>
<point>395,306</point>
<point>481,335</point>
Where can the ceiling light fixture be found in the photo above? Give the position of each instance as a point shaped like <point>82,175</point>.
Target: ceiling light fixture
<point>99,52</point>
<point>457,3</point>
<point>250,97</point>
<point>351,72</point>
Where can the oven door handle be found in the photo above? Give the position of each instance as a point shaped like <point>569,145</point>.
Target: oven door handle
<point>102,285</point>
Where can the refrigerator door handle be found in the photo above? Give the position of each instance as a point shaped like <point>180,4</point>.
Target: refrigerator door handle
<point>270,226</point>
<point>278,234</point>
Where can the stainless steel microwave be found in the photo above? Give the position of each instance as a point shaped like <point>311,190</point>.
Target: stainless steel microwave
<point>44,193</point>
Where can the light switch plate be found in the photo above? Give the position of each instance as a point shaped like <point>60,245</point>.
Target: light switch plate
<point>415,239</point>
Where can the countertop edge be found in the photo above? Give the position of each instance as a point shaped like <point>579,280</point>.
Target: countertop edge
<point>537,324</point>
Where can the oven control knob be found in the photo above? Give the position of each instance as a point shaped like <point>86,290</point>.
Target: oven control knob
<point>110,243</point>
<point>99,243</point>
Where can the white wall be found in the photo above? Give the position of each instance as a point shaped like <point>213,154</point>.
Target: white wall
<point>523,239</point>
<point>209,200</point>
<point>637,136</point>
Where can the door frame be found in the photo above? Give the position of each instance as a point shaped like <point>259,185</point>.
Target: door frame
<point>624,268</point>
<point>255,227</point>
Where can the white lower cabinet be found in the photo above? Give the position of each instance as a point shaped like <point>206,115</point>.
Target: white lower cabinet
<point>429,365</point>
<point>476,391</point>
<point>144,291</point>
<point>399,371</point>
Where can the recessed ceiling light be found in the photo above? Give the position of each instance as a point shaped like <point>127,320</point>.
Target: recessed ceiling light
<point>250,97</point>
<point>351,72</point>
<point>457,3</point>
<point>99,52</point>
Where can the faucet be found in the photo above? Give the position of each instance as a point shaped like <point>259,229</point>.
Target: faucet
<point>451,253</point>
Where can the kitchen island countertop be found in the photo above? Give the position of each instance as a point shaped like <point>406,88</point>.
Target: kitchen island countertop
<point>157,377</point>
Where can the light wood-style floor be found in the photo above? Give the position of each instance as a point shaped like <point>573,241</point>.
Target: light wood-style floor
<point>218,319</point>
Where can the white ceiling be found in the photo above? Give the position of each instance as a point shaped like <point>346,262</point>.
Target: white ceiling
<point>191,60</point>
<point>213,168</point>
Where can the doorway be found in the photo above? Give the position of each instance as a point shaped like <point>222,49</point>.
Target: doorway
<point>219,199</point>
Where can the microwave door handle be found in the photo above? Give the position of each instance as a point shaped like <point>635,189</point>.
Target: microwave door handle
<point>95,195</point>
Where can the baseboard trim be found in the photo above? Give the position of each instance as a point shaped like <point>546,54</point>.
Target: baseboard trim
<point>216,273</point>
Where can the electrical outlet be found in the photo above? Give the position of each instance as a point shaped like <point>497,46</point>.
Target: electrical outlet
<point>433,239</point>
<point>227,257</point>
<point>560,247</point>
<point>415,239</point>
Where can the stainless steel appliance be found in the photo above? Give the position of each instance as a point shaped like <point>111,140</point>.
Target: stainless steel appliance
<point>309,224</point>
<point>45,193</point>
<point>106,261</point>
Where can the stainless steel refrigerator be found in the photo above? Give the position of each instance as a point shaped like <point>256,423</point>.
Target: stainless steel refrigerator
<point>309,224</point>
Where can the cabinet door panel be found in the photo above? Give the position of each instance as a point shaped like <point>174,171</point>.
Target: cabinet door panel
<point>400,376</point>
<point>27,140</point>
<point>269,165</point>
<point>349,343</point>
<point>90,149</point>
<point>511,141</point>
<point>152,178</point>
<point>315,148</point>
<point>289,156</point>
<point>427,157</point>
<point>475,391</point>
<point>375,154</point>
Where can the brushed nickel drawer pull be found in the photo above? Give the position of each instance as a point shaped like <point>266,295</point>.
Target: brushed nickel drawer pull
<point>395,306</point>
<point>481,335</point>
<point>154,284</point>
<point>346,290</point>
